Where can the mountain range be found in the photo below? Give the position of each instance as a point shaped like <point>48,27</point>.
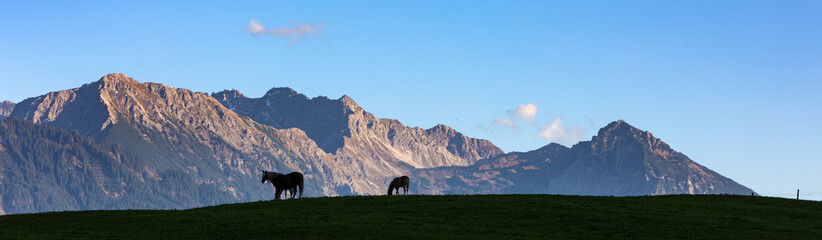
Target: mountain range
<point>619,161</point>
<point>164,147</point>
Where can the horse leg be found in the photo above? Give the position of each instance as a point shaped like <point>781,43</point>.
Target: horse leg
<point>277,193</point>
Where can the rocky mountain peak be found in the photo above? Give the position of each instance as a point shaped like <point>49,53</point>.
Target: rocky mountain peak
<point>613,133</point>
<point>350,104</point>
<point>114,79</point>
<point>229,97</point>
<point>85,105</point>
<point>616,127</point>
<point>620,161</point>
<point>336,123</point>
<point>442,129</point>
<point>228,94</point>
<point>552,148</point>
<point>284,92</point>
<point>617,131</point>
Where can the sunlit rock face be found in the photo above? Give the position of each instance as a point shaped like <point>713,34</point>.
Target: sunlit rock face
<point>178,132</point>
<point>5,109</point>
<point>342,126</point>
<point>374,150</point>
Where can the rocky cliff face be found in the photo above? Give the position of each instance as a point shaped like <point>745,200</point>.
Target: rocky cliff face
<point>5,109</point>
<point>371,150</point>
<point>342,127</point>
<point>180,132</point>
<point>323,120</point>
<point>621,161</point>
<point>177,130</point>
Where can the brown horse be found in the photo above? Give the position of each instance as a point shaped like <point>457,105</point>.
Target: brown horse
<point>397,183</point>
<point>284,182</point>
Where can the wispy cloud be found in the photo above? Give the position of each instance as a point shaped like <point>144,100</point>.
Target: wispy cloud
<point>555,132</point>
<point>525,112</point>
<point>295,32</point>
<point>254,27</point>
<point>506,123</point>
<point>522,113</point>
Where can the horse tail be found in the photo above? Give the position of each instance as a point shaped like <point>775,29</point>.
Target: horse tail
<point>300,187</point>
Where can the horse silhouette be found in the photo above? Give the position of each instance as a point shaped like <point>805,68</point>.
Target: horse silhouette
<point>283,182</point>
<point>397,183</point>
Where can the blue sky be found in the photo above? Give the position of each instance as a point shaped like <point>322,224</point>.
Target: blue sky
<point>735,85</point>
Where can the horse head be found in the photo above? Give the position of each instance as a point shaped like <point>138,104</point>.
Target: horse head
<point>265,177</point>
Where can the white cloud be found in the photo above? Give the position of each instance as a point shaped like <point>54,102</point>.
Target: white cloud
<point>506,122</point>
<point>555,132</point>
<point>552,131</point>
<point>254,27</point>
<point>525,112</point>
<point>296,32</point>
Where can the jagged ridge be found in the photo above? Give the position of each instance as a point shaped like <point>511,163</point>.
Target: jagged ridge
<point>620,160</point>
<point>188,137</point>
<point>178,132</point>
<point>342,125</point>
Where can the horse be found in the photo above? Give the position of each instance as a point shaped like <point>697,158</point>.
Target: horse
<point>397,183</point>
<point>284,182</point>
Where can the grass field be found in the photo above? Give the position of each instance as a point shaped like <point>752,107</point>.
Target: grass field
<point>445,217</point>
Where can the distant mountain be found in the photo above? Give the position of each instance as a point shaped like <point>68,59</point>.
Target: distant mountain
<point>177,131</point>
<point>5,109</point>
<point>343,127</point>
<point>126,144</point>
<point>620,161</point>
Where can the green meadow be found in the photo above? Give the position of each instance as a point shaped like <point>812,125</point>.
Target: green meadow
<point>443,217</point>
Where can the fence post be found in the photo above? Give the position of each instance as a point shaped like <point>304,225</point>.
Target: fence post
<point>797,194</point>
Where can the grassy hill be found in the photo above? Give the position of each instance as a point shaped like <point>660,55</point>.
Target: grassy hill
<point>445,217</point>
